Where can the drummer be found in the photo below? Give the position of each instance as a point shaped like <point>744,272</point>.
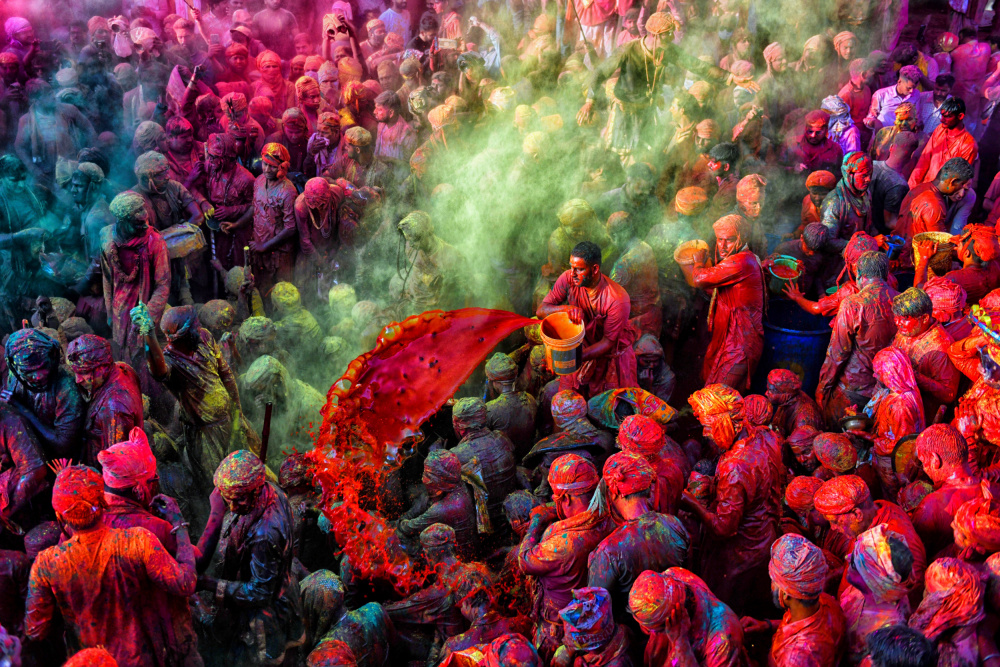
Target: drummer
<point>736,313</point>
<point>591,298</point>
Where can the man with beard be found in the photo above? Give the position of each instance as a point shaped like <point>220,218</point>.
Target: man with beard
<point>814,150</point>
<point>294,136</point>
<point>111,390</point>
<point>193,370</point>
<point>736,320</point>
<point>848,208</point>
<point>184,155</point>
<point>257,592</point>
<point>795,412</point>
<point>135,270</point>
<point>358,163</point>
<point>744,521</point>
<point>949,140</point>
<point>91,207</point>
<point>396,140</point>
<point>230,192</point>
<point>591,298</point>
<point>376,37</point>
<point>940,205</point>
<point>42,392</point>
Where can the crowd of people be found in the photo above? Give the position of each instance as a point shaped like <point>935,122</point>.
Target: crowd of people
<point>211,207</point>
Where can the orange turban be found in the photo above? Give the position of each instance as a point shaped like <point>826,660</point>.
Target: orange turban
<point>276,155</point>
<point>800,493</point>
<point>78,494</point>
<point>731,224</point>
<point>691,200</point>
<point>821,179</point>
<point>653,597</point>
<point>841,495</point>
<point>572,474</point>
<point>625,474</point>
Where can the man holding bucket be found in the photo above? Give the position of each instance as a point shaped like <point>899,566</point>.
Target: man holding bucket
<point>589,297</point>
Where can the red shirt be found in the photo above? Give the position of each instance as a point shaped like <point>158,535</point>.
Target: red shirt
<point>817,641</point>
<point>943,145</point>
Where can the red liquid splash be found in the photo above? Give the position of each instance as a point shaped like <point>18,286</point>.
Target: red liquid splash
<point>785,272</point>
<point>380,403</point>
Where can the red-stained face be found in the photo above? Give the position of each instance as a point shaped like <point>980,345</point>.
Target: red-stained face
<point>951,120</point>
<point>295,71</point>
<point>583,274</point>
<point>310,100</point>
<point>816,134</point>
<point>238,63</point>
<point>295,132</point>
<point>912,326</point>
<point>181,143</point>
<point>861,179</point>
<point>727,243</point>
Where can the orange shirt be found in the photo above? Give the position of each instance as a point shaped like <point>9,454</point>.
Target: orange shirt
<point>943,145</point>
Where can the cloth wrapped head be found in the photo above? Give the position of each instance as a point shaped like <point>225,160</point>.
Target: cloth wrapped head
<point>948,297</point>
<point>843,38</point>
<point>640,435</point>
<point>306,85</point>
<point>661,23</point>
<point>88,353</point>
<point>93,173</point>
<point>626,473</point>
<point>982,238</point>
<point>296,471</point>
<point>821,179</point>
<point>835,106</point>
<point>265,374</point>
<point>294,118</point>
<point>859,244</point>
<point>128,464</point>
<point>178,322</point>
<point>150,164</point>
<point>30,350</point>
<point>567,407</point>
<point>236,49</point>
<point>276,155</point>
<point>872,559</point>
<point>221,145</point>
<point>261,106</point>
<point>14,25</point>
<point>511,650</point>
<point>441,116</point>
<point>854,163</point>
<point>587,620</point>
<point>148,136</point>
<point>721,407</point>
<point>691,200</point>
<point>773,51</point>
<point>977,524</point>
<point>239,473</point>
<point>904,112</point>
<point>572,474</point>
<point>798,567</point>
<point>700,91</point>
<point>954,594</point>
<point>437,535</point>
<point>127,205</point>
<point>442,471</point>
<point>78,495</point>
<point>259,330</point>
<point>177,126</point>
<point>800,493</point>
<point>358,136</point>
<point>894,370</point>
<point>501,368</point>
<point>285,298</point>
<point>835,452</point>
<point>750,188</point>
<point>217,315</point>
<point>266,58</point>
<point>841,495</point>
<point>757,410</point>
<point>783,381</point>
<point>653,598</point>
<point>234,104</point>
<point>730,225</point>
<point>469,413</point>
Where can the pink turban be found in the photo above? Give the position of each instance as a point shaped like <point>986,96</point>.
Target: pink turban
<point>640,435</point>
<point>128,464</point>
<point>953,598</point>
<point>572,474</point>
<point>948,298</point>
<point>798,567</point>
<point>625,474</point>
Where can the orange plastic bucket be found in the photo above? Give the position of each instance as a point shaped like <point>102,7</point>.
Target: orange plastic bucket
<point>562,340</point>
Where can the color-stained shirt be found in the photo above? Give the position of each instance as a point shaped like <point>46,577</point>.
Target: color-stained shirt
<point>886,100</point>
<point>817,641</point>
<point>943,145</point>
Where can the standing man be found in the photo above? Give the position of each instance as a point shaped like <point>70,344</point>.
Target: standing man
<point>949,140</point>
<point>274,231</point>
<point>882,112</point>
<point>602,306</point>
<point>230,191</point>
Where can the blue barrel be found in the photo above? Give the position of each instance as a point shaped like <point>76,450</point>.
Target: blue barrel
<point>795,340</point>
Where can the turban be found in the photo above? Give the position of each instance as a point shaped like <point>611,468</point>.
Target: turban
<point>178,125</point>
<point>798,567</point>
<point>442,471</point>
<point>78,494</point>
<point>313,63</point>
<point>983,237</point>
<point>258,329</point>
<point>741,73</point>
<point>67,77</point>
<point>88,353</point>
<point>977,524</point>
<point>306,84</point>
<point>501,367</point>
<point>128,464</point>
<point>74,327</point>
<point>30,349</point>
<point>265,373</point>
<point>859,244</point>
<point>92,657</point>
<point>654,596</point>
<point>572,474</point>
<point>207,103</point>
<point>821,179</point>
<point>911,495</point>
<point>773,51</point>
<point>817,118</point>
<point>730,224</point>
<point>660,23</point>
<point>700,90</point>
<point>147,135</point>
<point>835,452</point>
<point>285,297</point>
<point>567,407</point>
<point>750,185</point>
<point>358,136</point>
<point>328,120</point>
<point>872,559</point>
<point>237,49</point>
<point>893,369</point>
<point>715,399</point>
<point>841,495</point>
<point>268,58</point>
<point>784,381</point>
<point>835,106</point>
<point>234,102</point>
<point>906,111</point>
<point>843,38</point>
<point>757,410</point>
<point>947,41</point>
<point>947,297</point>
<point>97,23</point>
<point>441,116</point>
<point>222,145</point>
<point>587,620</point>
<point>239,473</point>
<point>691,200</point>
<point>437,535</point>
<point>150,163</point>
<point>295,471</point>
<point>93,173</point>
<point>469,412</point>
<point>511,650</point>
<point>638,434</point>
<point>393,43</point>
<point>293,117</point>
<point>455,102</point>
<point>143,36</point>
<point>126,205</point>
<point>276,155</point>
<point>349,69</point>
<point>375,24</point>
<point>14,25</point>
<point>261,106</point>
<point>953,598</point>
<point>502,99</point>
<point>626,473</point>
<point>217,314</point>
<point>318,192</point>
<point>707,129</point>
<point>800,493</point>
<point>331,653</point>
<point>126,76</point>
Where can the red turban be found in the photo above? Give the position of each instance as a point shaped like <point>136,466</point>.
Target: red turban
<point>567,407</point>
<point>800,493</point>
<point>757,410</point>
<point>817,118</point>
<point>821,179</point>
<point>511,650</point>
<point>437,535</point>
<point>587,620</point>
<point>947,297</point>
<point>276,155</point>
<point>652,599</point>
<point>640,435</point>
<point>953,598</point>
<point>572,474</point>
<point>92,657</point>
<point>78,494</point>
<point>859,244</point>
<point>798,567</point>
<point>331,653</point>
<point>841,495</point>
<point>983,237</point>
<point>89,352</point>
<point>977,524</point>
<point>128,464</point>
<point>626,473</point>
<point>783,381</point>
<point>835,451</point>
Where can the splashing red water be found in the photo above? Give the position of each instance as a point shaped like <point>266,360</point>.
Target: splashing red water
<point>380,403</point>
